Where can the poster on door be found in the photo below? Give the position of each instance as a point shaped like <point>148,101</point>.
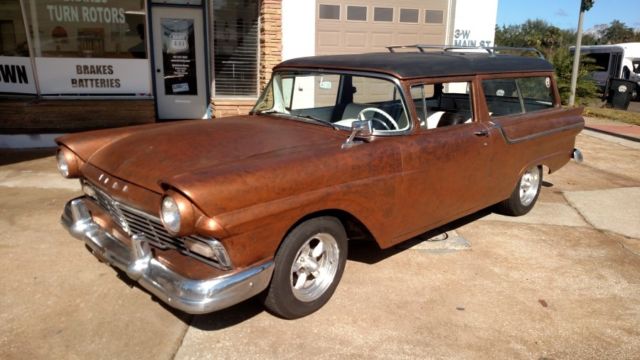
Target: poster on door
<point>179,57</point>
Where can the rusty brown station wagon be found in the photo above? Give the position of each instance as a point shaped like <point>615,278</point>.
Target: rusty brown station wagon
<point>382,146</point>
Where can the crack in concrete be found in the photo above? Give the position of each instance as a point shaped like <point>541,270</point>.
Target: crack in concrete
<point>603,232</point>
<point>184,334</point>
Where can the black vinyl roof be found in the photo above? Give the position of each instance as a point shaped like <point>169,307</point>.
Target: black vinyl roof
<point>423,64</point>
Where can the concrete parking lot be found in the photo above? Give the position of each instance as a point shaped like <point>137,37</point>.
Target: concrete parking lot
<point>562,282</point>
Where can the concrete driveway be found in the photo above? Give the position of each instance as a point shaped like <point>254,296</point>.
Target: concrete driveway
<point>562,282</point>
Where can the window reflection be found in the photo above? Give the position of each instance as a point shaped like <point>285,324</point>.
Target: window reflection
<point>93,29</point>
<point>13,39</point>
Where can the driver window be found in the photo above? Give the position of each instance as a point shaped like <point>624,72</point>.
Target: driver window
<point>443,104</point>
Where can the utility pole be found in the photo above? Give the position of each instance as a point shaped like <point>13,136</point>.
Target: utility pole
<point>585,5</point>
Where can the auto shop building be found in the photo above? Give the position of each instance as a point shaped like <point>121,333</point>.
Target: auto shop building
<point>72,65</point>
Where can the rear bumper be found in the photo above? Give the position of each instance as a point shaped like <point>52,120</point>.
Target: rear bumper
<point>189,295</point>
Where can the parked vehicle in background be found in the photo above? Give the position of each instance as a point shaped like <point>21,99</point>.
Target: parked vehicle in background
<point>618,61</point>
<point>381,146</point>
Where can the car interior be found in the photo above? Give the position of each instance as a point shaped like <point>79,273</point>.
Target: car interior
<point>443,104</point>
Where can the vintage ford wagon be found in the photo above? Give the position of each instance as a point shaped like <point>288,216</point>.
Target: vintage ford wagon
<point>383,146</point>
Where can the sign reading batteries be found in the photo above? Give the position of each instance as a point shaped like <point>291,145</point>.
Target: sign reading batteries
<point>93,76</point>
<point>179,57</point>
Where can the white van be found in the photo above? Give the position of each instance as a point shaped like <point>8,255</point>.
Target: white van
<point>618,61</point>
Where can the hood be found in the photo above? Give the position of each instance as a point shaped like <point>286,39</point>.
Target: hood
<point>145,157</point>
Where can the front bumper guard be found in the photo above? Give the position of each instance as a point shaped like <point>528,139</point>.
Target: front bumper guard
<point>188,295</point>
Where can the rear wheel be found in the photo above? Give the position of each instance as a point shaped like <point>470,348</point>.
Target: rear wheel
<point>308,268</point>
<point>525,194</point>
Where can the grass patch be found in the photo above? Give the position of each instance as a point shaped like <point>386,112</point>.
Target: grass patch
<point>612,114</point>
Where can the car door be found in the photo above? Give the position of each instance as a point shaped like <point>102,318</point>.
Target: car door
<point>446,161</point>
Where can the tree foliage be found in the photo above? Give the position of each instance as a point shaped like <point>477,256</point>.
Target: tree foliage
<point>586,88</point>
<point>618,32</point>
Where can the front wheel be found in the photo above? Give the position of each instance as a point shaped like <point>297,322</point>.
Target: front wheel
<point>525,195</point>
<point>308,268</point>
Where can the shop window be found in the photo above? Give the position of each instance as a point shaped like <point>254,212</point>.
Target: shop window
<point>433,16</point>
<point>357,13</point>
<point>409,15</point>
<point>66,29</point>
<point>329,12</point>
<point>383,14</point>
<point>13,39</point>
<point>235,48</point>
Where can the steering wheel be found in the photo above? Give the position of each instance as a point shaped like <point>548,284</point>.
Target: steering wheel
<point>381,112</point>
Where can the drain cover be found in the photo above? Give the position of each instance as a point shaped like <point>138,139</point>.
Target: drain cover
<point>441,243</point>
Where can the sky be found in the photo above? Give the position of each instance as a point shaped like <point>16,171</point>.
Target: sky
<point>564,13</point>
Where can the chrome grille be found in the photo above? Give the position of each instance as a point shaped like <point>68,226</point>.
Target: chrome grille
<point>107,203</point>
<point>134,221</point>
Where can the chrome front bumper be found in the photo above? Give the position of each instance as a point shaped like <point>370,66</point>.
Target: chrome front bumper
<point>188,295</point>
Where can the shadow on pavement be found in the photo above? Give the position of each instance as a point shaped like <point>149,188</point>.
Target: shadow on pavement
<point>10,156</point>
<point>368,252</point>
<point>218,320</point>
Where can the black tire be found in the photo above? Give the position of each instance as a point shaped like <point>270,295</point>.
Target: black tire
<point>514,206</point>
<point>280,298</point>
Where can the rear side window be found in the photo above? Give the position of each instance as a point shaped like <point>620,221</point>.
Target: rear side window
<point>518,95</point>
<point>443,104</point>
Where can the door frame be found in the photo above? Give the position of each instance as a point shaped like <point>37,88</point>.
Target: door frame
<point>204,9</point>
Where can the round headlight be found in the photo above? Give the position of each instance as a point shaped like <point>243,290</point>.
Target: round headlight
<point>170,214</point>
<point>63,164</point>
<point>68,163</point>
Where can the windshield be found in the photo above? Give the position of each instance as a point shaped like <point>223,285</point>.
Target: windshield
<point>335,99</point>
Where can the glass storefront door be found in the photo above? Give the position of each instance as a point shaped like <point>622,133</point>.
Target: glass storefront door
<point>180,71</point>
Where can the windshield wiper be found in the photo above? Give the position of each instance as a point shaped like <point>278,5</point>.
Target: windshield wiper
<point>306,116</point>
<point>321,121</point>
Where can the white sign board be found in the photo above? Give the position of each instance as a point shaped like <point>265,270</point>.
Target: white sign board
<point>16,75</point>
<point>474,23</point>
<point>93,76</point>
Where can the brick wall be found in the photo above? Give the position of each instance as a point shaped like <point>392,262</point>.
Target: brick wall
<point>34,116</point>
<point>222,108</point>
<point>270,38</point>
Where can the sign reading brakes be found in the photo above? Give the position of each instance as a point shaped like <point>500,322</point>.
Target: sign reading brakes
<point>94,76</point>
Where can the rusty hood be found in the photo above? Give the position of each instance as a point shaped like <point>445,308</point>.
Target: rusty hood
<point>163,151</point>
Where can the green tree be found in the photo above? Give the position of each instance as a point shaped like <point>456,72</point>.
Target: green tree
<point>586,88</point>
<point>617,32</point>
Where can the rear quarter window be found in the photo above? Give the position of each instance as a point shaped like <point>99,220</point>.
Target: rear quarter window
<point>510,96</point>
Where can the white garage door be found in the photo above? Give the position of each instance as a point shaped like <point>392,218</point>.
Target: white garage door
<point>358,26</point>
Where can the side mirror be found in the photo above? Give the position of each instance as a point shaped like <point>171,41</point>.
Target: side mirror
<point>361,129</point>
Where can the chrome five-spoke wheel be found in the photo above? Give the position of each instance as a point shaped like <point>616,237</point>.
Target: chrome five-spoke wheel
<point>314,267</point>
<point>529,185</point>
<point>524,195</point>
<point>308,267</point>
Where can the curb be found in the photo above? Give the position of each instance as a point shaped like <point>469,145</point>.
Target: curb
<point>622,136</point>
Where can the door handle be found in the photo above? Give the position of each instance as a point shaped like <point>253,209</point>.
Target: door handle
<point>158,71</point>
<point>481,133</point>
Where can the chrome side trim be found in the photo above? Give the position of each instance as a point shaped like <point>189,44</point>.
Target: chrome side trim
<point>538,134</point>
<point>189,295</point>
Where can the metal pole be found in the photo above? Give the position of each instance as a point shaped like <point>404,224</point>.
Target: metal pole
<point>576,61</point>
